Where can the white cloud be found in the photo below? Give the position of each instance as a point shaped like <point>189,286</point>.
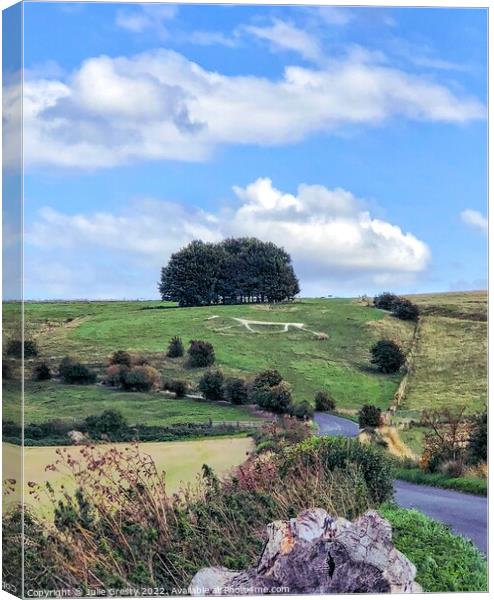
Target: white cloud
<point>334,241</point>
<point>475,219</point>
<point>161,106</point>
<point>148,17</point>
<point>333,15</point>
<point>286,36</point>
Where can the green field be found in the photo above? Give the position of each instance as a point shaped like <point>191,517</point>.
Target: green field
<point>49,400</point>
<point>338,362</point>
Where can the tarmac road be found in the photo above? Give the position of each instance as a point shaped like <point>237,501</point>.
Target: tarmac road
<point>465,513</point>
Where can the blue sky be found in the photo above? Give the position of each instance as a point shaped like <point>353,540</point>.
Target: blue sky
<point>356,138</point>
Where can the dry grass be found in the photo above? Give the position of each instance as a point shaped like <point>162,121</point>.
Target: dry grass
<point>387,435</point>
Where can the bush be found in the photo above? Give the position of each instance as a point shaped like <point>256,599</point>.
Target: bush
<point>121,357</point>
<point>236,391</point>
<point>301,410</point>
<point>6,370</point>
<point>405,310</point>
<point>140,379</point>
<point>261,384</point>
<point>110,422</point>
<point>201,354</point>
<point>42,372</point>
<point>385,301</point>
<point>211,385</point>
<point>115,374</point>
<point>270,392</point>
<point>387,355</point>
<point>452,468</point>
<point>74,372</point>
<point>177,386</point>
<point>324,401</point>
<point>369,416</point>
<point>175,348</point>
<point>14,348</point>
<point>477,443</point>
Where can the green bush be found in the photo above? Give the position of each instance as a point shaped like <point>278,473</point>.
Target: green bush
<point>73,372</point>
<point>405,310</point>
<point>201,354</point>
<point>121,357</point>
<point>175,348</point>
<point>341,453</point>
<point>236,391</point>
<point>469,485</point>
<point>14,348</point>
<point>179,387</point>
<point>387,356</point>
<point>369,416</point>
<point>301,410</point>
<point>42,372</point>
<point>115,374</point>
<point>445,562</point>
<point>211,385</point>
<point>270,392</point>
<point>6,370</point>
<point>324,401</point>
<point>477,443</point>
<point>110,422</point>
<point>140,379</point>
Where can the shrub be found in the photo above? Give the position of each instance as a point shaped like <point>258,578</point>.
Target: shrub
<point>201,354</point>
<point>14,348</point>
<point>388,356</point>
<point>115,374</point>
<point>236,391</point>
<point>140,379</point>
<point>405,310</point>
<point>177,386</point>
<point>175,348</point>
<point>324,401</point>
<point>140,361</point>
<point>110,422</point>
<point>301,410</point>
<point>369,416</point>
<point>6,370</point>
<point>74,372</point>
<point>121,357</point>
<point>477,443</point>
<point>211,385</point>
<point>278,398</point>
<point>259,391</point>
<point>385,301</point>
<point>452,468</point>
<point>42,372</point>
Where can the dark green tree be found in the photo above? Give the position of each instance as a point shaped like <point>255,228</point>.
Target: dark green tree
<point>387,356</point>
<point>201,354</point>
<point>369,416</point>
<point>175,348</point>
<point>385,301</point>
<point>477,443</point>
<point>236,391</point>
<point>324,401</point>
<point>405,310</point>
<point>211,385</point>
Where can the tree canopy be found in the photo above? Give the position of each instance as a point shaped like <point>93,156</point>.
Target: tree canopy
<point>233,271</point>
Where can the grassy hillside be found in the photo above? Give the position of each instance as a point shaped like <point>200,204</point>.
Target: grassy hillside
<point>450,363</point>
<point>329,351</point>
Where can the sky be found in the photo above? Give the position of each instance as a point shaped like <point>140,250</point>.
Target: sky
<point>355,138</point>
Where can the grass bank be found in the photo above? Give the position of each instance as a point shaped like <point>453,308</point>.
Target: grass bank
<point>469,485</point>
<point>445,562</point>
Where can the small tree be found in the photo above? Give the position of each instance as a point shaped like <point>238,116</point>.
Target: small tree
<point>405,310</point>
<point>477,442</point>
<point>175,348</point>
<point>140,379</point>
<point>236,391</point>
<point>277,398</point>
<point>201,354</point>
<point>301,410</point>
<point>369,416</point>
<point>115,374</point>
<point>178,387</point>
<point>324,401</point>
<point>110,422</point>
<point>42,372</point>
<point>211,385</point>
<point>73,372</point>
<point>385,301</point>
<point>447,438</point>
<point>262,382</point>
<point>121,357</point>
<point>387,356</point>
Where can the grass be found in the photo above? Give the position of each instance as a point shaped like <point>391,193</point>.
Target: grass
<point>340,363</point>
<point>49,400</point>
<point>445,562</point>
<point>450,363</point>
<point>180,461</point>
<point>470,485</point>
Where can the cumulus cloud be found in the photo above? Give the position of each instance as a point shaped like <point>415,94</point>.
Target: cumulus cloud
<point>161,106</point>
<point>334,241</point>
<point>475,219</point>
<point>145,18</point>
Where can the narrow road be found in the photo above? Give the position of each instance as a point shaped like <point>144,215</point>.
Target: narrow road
<point>465,513</point>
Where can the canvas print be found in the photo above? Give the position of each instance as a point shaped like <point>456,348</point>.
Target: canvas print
<point>244,299</point>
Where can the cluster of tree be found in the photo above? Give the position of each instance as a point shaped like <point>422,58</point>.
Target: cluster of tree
<point>73,372</point>
<point>233,271</point>
<point>387,356</point>
<point>14,348</point>
<point>400,307</point>
<point>132,374</point>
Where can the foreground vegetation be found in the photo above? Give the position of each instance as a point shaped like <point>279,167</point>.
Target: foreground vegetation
<point>471,485</point>
<point>445,562</point>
